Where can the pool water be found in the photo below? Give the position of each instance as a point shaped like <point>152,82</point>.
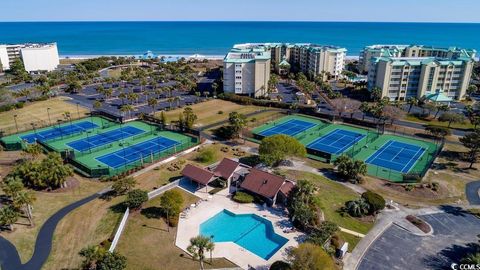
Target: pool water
<point>249,231</point>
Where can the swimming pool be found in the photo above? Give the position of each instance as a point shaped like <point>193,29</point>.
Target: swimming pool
<point>249,231</point>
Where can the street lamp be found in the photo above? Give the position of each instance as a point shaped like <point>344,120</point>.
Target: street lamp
<point>15,119</point>
<point>49,120</point>
<point>78,111</point>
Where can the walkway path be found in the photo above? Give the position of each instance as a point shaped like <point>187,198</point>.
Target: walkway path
<point>9,257</point>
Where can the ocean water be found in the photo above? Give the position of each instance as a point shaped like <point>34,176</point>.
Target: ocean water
<point>215,38</point>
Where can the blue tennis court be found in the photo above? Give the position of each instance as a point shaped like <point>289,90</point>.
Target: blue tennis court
<point>397,156</point>
<point>336,142</point>
<point>136,152</point>
<point>105,138</point>
<point>55,132</point>
<point>291,127</point>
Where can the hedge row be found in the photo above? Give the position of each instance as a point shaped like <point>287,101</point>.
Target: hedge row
<point>9,107</point>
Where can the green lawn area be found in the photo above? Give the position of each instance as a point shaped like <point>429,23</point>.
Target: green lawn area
<point>148,245</point>
<point>413,118</point>
<point>351,239</point>
<point>331,197</point>
<point>36,112</point>
<point>208,111</point>
<point>46,204</point>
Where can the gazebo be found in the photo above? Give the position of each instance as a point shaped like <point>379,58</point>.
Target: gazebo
<point>438,97</point>
<point>284,67</point>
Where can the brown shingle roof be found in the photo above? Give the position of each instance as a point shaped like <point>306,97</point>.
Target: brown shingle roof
<point>225,168</point>
<point>197,174</point>
<point>287,187</point>
<point>262,183</point>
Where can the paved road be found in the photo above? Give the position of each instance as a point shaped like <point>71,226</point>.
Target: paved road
<point>453,233</point>
<point>9,258</point>
<point>471,190</point>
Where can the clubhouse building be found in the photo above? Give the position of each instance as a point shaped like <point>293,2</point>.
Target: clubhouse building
<point>247,66</point>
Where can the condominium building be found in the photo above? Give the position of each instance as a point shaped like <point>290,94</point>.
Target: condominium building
<point>404,77</point>
<point>247,66</point>
<point>246,71</point>
<point>35,57</point>
<point>309,58</point>
<point>369,53</point>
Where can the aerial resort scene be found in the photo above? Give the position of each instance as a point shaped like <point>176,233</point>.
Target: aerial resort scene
<point>188,135</point>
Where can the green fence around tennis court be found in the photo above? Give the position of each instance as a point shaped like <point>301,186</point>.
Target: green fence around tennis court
<point>363,148</point>
<point>88,165</point>
<point>417,171</point>
<point>14,142</point>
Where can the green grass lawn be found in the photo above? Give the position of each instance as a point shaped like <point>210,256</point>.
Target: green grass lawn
<point>331,197</point>
<point>148,244</point>
<point>413,118</point>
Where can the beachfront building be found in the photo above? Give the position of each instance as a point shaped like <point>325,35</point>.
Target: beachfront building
<point>35,57</point>
<point>369,53</point>
<point>402,77</point>
<point>246,71</point>
<point>310,59</point>
<point>247,66</point>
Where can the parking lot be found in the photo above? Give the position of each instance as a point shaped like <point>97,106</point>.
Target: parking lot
<point>454,232</point>
<point>166,100</point>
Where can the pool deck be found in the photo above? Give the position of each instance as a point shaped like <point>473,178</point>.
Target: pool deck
<point>189,227</point>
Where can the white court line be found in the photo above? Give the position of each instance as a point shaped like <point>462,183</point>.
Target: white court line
<point>416,160</point>
<point>377,153</point>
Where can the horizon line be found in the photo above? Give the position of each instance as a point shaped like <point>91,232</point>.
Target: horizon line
<point>233,21</point>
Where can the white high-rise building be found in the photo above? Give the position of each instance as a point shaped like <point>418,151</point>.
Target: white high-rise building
<point>35,57</point>
<point>247,66</point>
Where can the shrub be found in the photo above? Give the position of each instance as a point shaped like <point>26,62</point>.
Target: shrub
<point>206,155</point>
<point>280,265</point>
<point>337,241</point>
<point>220,112</point>
<point>374,200</point>
<point>419,223</point>
<point>136,198</point>
<point>242,197</point>
<point>412,177</point>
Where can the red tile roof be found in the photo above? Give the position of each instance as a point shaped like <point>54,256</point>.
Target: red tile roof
<point>262,183</point>
<point>225,168</point>
<point>197,174</point>
<point>287,187</point>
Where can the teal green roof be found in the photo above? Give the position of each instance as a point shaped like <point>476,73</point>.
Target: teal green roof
<point>284,63</point>
<point>438,97</point>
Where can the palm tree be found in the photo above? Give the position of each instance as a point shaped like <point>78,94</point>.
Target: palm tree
<point>152,102</point>
<point>97,104</point>
<point>122,96</point>
<point>8,216</point>
<point>198,246</point>
<point>443,108</point>
<point>126,109</point>
<point>177,99</point>
<point>33,150</point>
<point>158,92</point>
<point>170,101</point>
<point>412,101</point>
<point>357,208</point>
<point>365,108</point>
<point>214,89</point>
<point>108,93</point>
<point>24,199</point>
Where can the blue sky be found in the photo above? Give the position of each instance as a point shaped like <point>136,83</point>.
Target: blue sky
<point>242,10</point>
